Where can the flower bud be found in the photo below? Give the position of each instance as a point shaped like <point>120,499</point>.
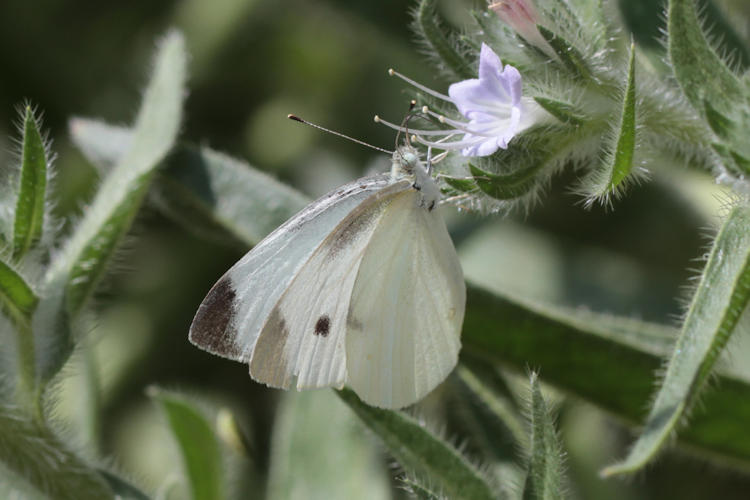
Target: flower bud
<point>521,15</point>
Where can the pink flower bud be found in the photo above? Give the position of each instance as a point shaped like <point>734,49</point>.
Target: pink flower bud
<point>521,15</point>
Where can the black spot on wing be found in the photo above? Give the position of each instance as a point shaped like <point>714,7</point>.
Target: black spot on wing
<point>323,326</point>
<point>212,328</point>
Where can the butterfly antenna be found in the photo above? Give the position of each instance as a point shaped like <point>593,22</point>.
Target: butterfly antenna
<point>363,143</point>
<point>405,124</point>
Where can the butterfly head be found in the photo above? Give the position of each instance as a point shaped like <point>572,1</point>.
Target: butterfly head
<point>407,164</point>
<point>405,161</point>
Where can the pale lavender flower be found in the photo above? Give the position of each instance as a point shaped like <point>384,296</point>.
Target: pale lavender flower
<point>492,106</point>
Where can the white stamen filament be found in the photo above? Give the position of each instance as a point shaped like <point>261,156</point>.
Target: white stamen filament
<point>421,87</point>
<point>410,130</point>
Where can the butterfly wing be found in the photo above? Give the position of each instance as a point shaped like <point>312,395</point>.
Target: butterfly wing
<point>407,307</point>
<point>230,318</point>
<point>304,336</point>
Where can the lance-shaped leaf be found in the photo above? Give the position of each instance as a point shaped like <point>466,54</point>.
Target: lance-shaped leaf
<point>607,361</point>
<point>608,179</point>
<point>122,489</point>
<point>29,220</point>
<point>478,378</point>
<point>545,472</point>
<point>563,111</point>
<point>34,453</point>
<point>529,154</point>
<point>568,54</point>
<point>199,186</point>
<point>209,193</point>
<point>421,452</point>
<point>718,303</point>
<point>199,447</point>
<point>311,424</point>
<point>433,33</point>
<point>80,265</point>
<point>699,70</point>
<point>17,299</point>
<point>101,143</point>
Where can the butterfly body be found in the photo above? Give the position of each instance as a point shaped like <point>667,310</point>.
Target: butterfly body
<point>362,287</point>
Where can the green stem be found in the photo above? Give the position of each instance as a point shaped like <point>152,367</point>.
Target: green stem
<point>28,392</point>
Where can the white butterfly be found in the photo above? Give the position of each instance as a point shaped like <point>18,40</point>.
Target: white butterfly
<point>363,287</point>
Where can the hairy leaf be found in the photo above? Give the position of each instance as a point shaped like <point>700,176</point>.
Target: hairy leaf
<point>422,452</point>
<point>699,70</point>
<point>563,111</point>
<point>31,451</point>
<point>718,303</point>
<point>608,179</point>
<point>609,363</point>
<point>29,215</point>
<point>545,474</point>
<point>17,299</point>
<point>429,26</point>
<point>80,265</point>
<point>567,53</point>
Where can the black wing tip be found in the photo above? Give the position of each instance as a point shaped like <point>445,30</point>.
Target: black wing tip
<point>213,327</point>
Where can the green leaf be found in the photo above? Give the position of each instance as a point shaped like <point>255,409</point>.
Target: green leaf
<point>200,188</point>
<point>101,143</point>
<point>421,452</point>
<point>545,475</point>
<point>567,53</point>
<point>29,221</point>
<point>209,193</point>
<point>512,185</point>
<point>309,425</point>
<point>563,111</point>
<point>31,451</point>
<point>433,32</point>
<point>121,488</point>
<point>608,179</point>
<point>718,303</point>
<point>699,70</point>
<point>531,155</point>
<point>588,355</point>
<point>200,449</point>
<point>459,184</point>
<point>17,299</point>
<point>477,379</point>
<point>82,262</point>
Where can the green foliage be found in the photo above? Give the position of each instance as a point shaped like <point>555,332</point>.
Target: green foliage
<point>718,303</point>
<point>438,40</point>
<point>600,113</point>
<point>620,157</point>
<point>421,452</point>
<point>82,262</point>
<point>544,477</point>
<point>30,205</point>
<point>306,425</point>
<point>38,456</point>
<point>198,445</point>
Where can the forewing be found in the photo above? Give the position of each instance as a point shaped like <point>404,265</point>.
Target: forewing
<point>304,336</point>
<point>407,307</point>
<point>230,318</point>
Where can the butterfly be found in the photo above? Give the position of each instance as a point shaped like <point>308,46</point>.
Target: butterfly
<point>362,287</point>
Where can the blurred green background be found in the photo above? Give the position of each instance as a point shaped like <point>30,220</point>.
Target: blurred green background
<point>254,61</point>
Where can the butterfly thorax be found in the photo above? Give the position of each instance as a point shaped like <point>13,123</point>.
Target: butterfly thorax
<point>407,165</point>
